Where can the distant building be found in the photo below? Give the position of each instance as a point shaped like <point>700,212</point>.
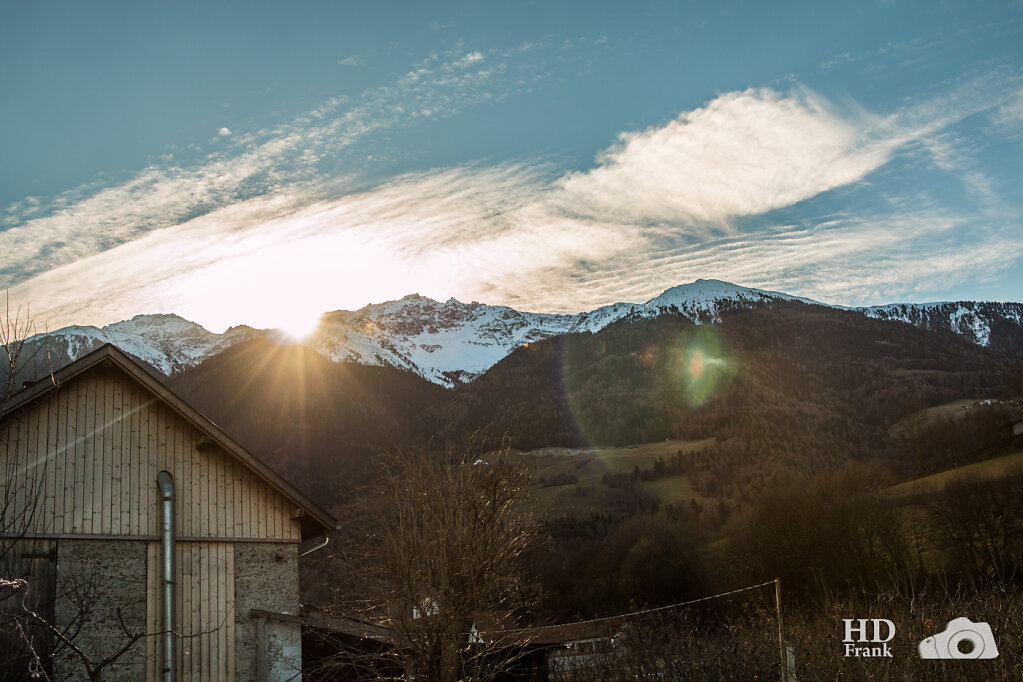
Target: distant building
<point>80,455</point>
<point>580,646</point>
<point>346,648</point>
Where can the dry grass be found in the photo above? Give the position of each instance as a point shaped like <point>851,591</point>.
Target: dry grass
<point>583,470</point>
<point>742,644</point>
<point>930,415</point>
<point>991,469</point>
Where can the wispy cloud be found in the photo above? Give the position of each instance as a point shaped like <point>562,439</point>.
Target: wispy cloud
<point>254,229</point>
<point>41,236</point>
<point>745,153</point>
<point>848,260</point>
<point>457,231</point>
<point>489,234</point>
<point>1009,116</point>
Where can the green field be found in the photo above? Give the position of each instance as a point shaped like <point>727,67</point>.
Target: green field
<point>570,481</point>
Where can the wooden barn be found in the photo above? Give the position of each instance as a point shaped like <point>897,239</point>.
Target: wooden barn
<point>140,527</point>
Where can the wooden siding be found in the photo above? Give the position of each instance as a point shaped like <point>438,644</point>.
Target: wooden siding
<point>205,628</point>
<point>89,453</point>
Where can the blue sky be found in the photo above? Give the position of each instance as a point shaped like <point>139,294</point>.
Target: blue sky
<point>261,163</point>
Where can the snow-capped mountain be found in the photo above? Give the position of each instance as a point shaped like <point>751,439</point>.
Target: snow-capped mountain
<point>983,323</point>
<point>446,342</point>
<point>454,342</point>
<point>704,299</point>
<point>167,342</point>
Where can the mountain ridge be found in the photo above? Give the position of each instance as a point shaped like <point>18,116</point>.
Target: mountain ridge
<point>451,343</point>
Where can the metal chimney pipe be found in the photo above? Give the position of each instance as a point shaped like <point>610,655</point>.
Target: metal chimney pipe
<point>166,483</point>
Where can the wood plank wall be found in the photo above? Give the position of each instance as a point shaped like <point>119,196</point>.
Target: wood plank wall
<point>205,601</point>
<point>89,453</point>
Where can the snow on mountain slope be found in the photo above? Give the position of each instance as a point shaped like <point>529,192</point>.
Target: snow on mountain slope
<point>983,323</point>
<point>704,299</point>
<point>444,342</point>
<point>167,342</point>
<point>454,342</point>
<point>447,343</point>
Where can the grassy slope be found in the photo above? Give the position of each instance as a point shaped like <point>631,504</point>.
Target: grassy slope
<point>951,410</point>
<point>588,493</point>
<point>989,469</point>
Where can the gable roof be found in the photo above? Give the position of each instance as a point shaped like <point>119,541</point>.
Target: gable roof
<point>315,520</point>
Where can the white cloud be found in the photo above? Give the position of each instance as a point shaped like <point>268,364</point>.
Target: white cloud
<point>470,59</point>
<point>224,132</point>
<point>252,230</point>
<point>88,220</point>
<point>491,234</point>
<point>465,232</point>
<point>745,153</point>
<point>847,260</point>
<point>350,61</point>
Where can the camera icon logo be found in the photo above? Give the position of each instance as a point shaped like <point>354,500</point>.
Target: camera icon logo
<point>961,639</point>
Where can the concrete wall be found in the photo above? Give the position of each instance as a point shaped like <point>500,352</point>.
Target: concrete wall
<point>266,577</point>
<point>95,579</point>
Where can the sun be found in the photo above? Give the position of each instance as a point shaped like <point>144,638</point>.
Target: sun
<point>298,325</point>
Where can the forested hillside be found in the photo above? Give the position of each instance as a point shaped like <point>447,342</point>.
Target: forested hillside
<point>785,388</point>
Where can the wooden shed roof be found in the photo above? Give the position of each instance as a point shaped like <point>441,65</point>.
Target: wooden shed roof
<point>315,520</point>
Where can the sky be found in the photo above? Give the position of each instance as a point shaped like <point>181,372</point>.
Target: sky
<point>261,163</point>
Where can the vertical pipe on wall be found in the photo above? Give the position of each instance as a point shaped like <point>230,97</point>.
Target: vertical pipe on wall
<point>166,483</point>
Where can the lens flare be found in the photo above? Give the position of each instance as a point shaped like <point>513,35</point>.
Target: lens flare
<point>696,365</point>
<point>703,367</point>
<point>615,391</point>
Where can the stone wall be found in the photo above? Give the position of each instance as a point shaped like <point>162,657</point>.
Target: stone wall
<point>266,577</point>
<point>96,579</point>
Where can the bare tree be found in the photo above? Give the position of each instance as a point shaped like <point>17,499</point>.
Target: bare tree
<point>441,540</point>
<point>24,641</point>
<point>82,595</point>
<point>980,523</point>
<point>15,329</point>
